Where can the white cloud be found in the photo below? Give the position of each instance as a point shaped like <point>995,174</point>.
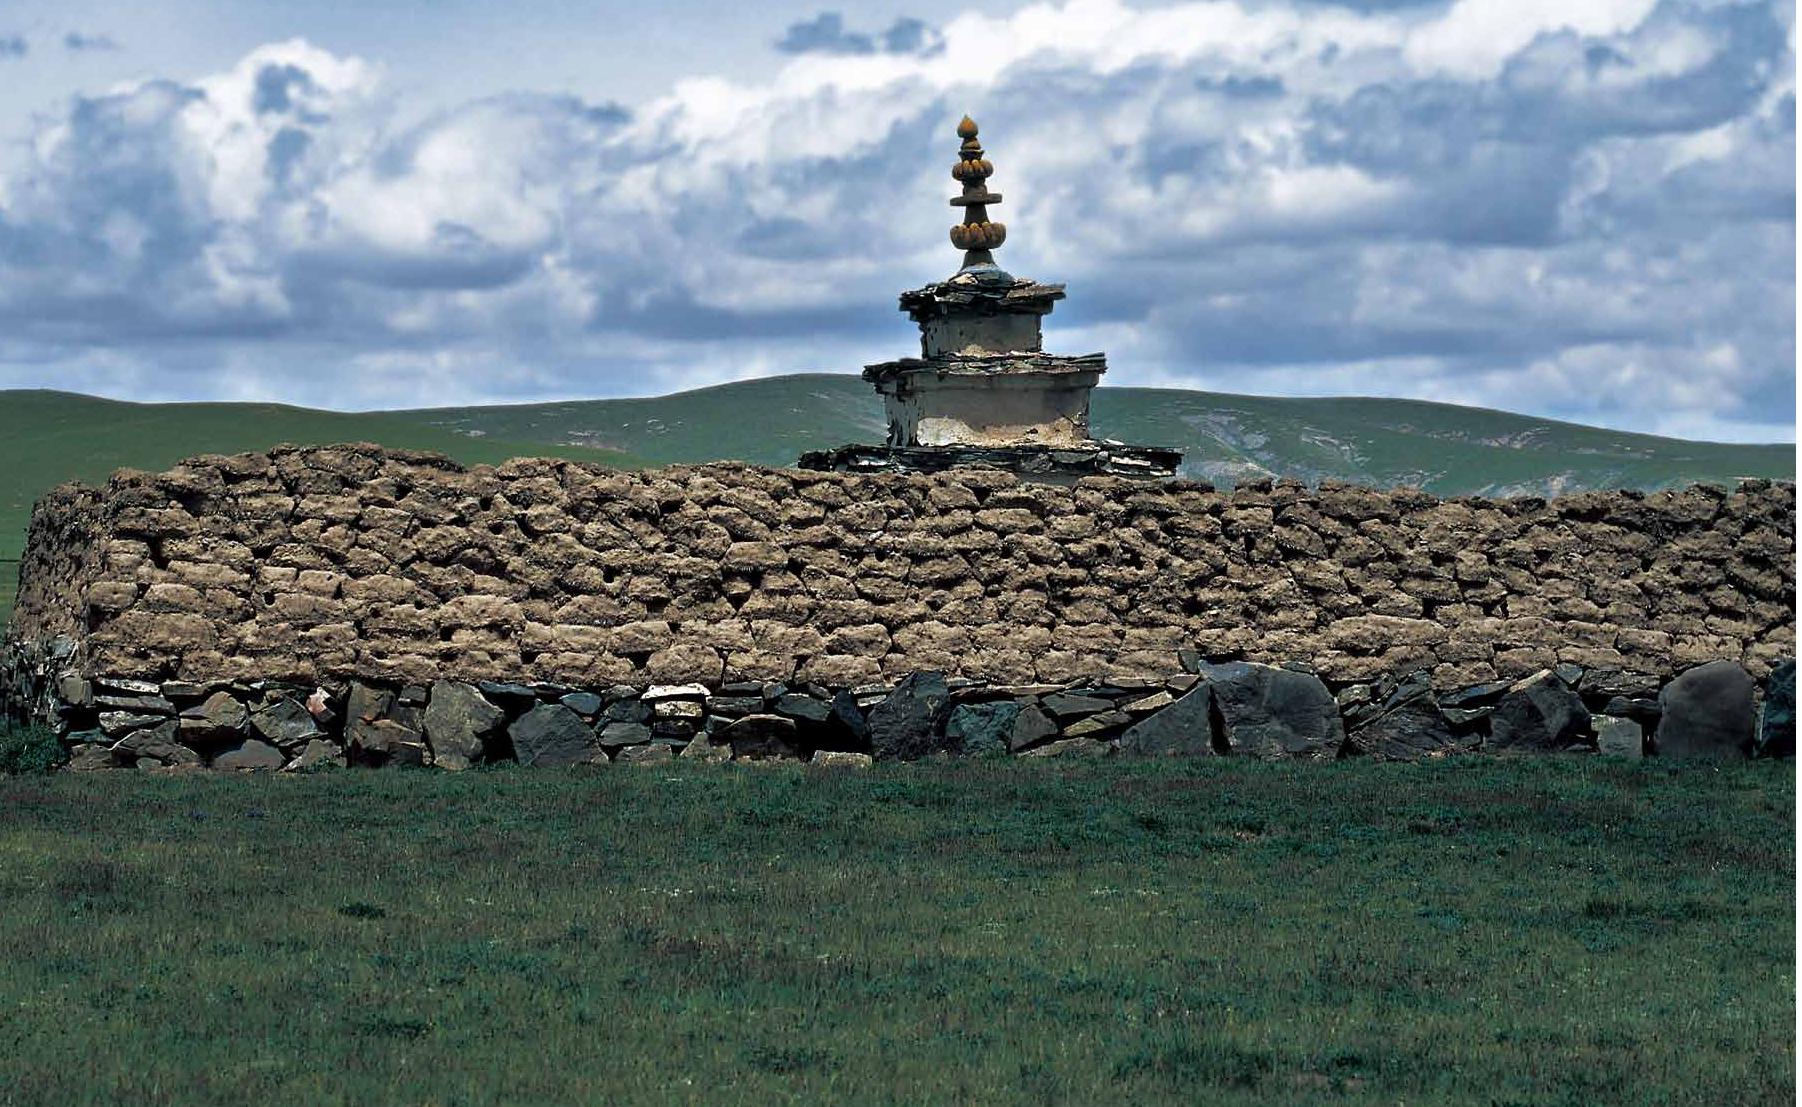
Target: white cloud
<point>1573,210</point>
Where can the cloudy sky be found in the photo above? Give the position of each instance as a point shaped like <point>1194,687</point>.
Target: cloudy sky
<point>1573,208</point>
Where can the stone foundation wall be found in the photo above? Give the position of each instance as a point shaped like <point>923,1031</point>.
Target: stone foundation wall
<point>1236,709</point>
<point>320,569</point>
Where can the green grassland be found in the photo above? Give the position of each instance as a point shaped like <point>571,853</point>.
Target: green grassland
<point>1485,931</point>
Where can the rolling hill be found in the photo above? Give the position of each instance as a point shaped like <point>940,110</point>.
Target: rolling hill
<point>49,437</point>
<point>1443,448</point>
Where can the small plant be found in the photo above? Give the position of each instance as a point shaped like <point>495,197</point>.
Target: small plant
<point>28,749</point>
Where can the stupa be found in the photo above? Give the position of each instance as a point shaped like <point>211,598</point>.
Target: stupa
<point>983,390</point>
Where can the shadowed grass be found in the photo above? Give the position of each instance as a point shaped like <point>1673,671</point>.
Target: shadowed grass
<point>1484,932</point>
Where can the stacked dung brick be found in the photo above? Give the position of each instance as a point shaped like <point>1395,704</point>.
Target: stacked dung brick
<point>325,566</point>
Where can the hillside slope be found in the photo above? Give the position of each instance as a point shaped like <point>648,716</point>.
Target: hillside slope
<point>1444,448</point>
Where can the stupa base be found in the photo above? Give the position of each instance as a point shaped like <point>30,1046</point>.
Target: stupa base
<point>1050,464</point>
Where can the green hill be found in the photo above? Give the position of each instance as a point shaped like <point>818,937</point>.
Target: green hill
<point>50,437</point>
<point>1444,448</point>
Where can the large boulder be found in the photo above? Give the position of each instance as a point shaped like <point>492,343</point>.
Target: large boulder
<point>1707,713</point>
<point>286,724</point>
<point>904,726</point>
<point>1274,714</point>
<point>1403,722</point>
<point>981,729</point>
<point>460,723</point>
<point>1777,719</point>
<point>1541,714</point>
<point>1184,729</point>
<point>552,735</point>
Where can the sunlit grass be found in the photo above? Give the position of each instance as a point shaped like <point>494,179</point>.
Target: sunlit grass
<point>1485,932</point>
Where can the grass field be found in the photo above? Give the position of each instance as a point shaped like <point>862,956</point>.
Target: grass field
<point>1553,931</point>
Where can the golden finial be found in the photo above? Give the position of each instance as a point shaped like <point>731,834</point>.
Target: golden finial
<point>976,236</point>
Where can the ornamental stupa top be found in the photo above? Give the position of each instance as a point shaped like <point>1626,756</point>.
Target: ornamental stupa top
<point>979,286</point>
<point>976,236</point>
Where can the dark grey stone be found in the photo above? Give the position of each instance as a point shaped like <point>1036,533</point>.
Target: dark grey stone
<point>1093,726</point>
<point>123,722</point>
<point>1405,724</point>
<point>1465,716</point>
<point>1063,705</point>
<point>628,711</point>
<point>850,720</point>
<point>1619,737</point>
<point>252,754</point>
<point>510,696</point>
<point>1475,696</point>
<point>625,734</point>
<point>319,754</point>
<point>1031,727</point>
<point>1184,729</point>
<point>760,738</point>
<point>582,703</point>
<point>219,718</point>
<point>1274,713</point>
<point>552,735</point>
<point>380,730</point>
<point>158,742</point>
<point>460,724</point>
<point>981,729</point>
<point>286,723</point>
<point>1605,684</point>
<point>803,708</point>
<point>1777,718</point>
<point>151,704</point>
<point>1707,713</point>
<point>904,725</point>
<point>734,707</point>
<point>1541,714</point>
<point>387,742</point>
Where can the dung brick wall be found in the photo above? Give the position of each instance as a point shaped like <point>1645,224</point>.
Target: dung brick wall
<point>332,564</point>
